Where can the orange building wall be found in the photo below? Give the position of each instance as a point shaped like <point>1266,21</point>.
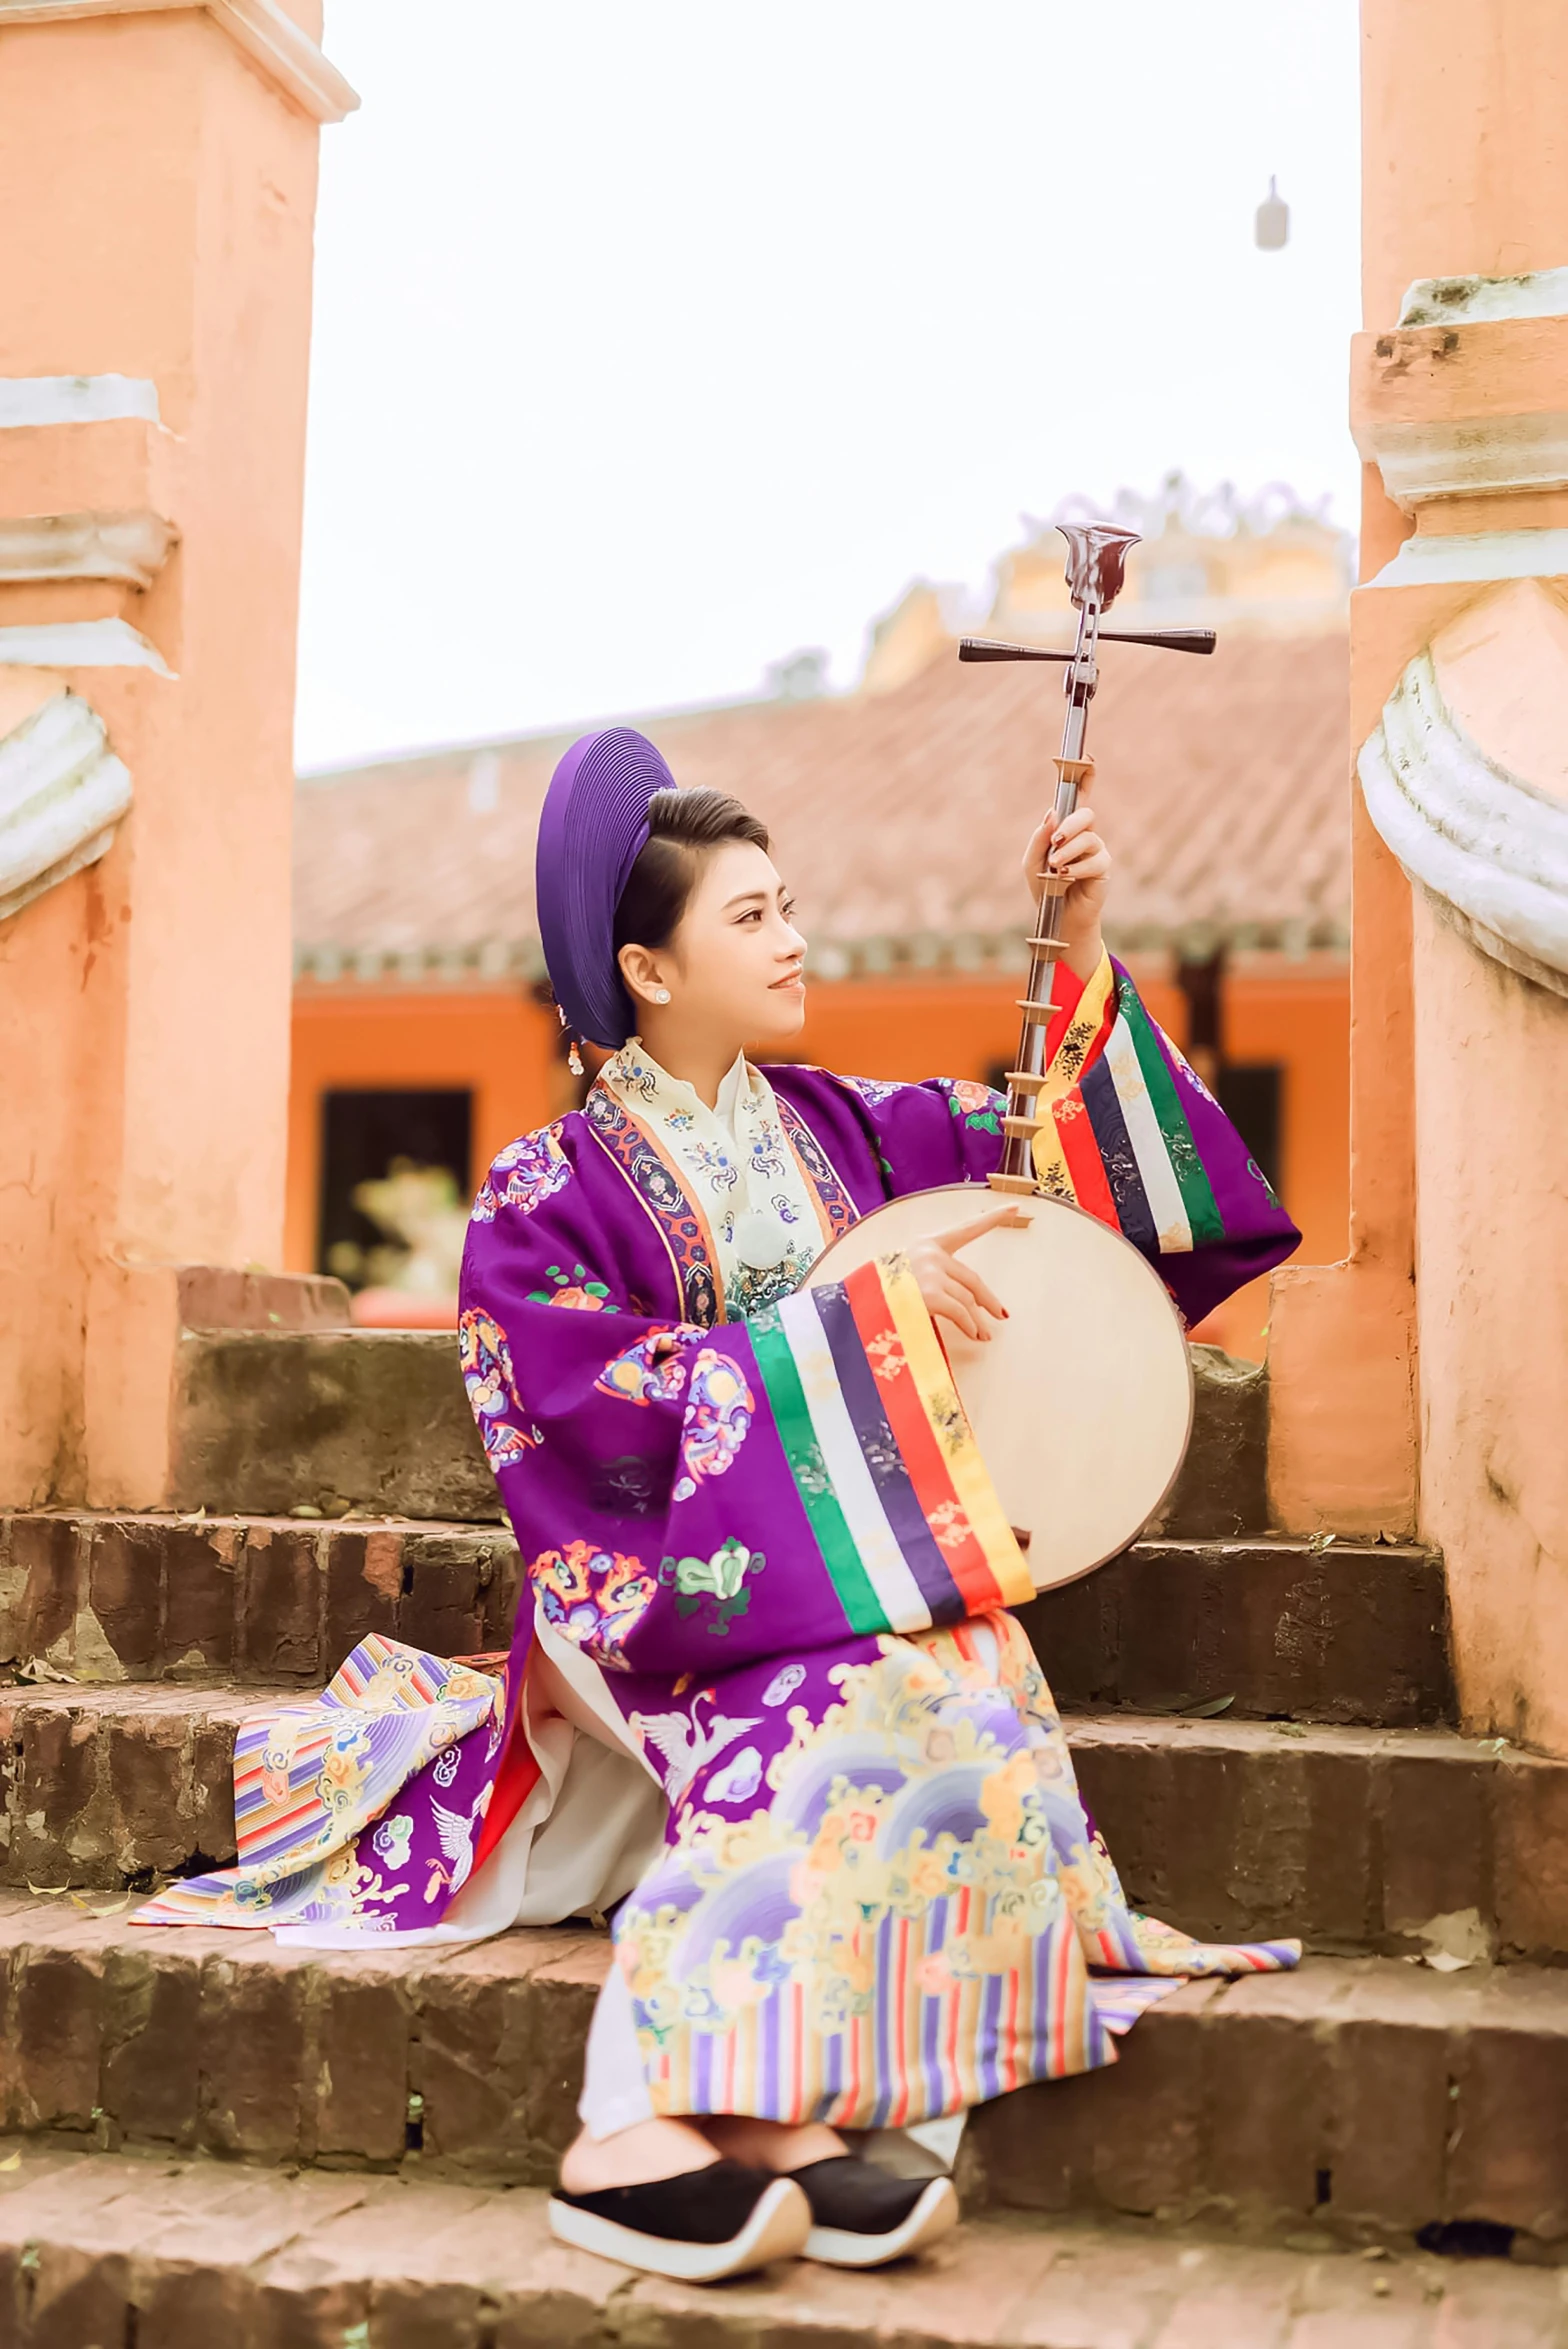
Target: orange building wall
<point>499,1044</point>
<point>502,1045</point>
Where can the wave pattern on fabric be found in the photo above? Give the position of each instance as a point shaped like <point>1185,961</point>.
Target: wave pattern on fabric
<point>920,1915</point>
<point>313,1781</point>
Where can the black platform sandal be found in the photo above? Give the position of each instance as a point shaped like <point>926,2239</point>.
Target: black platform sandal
<point>699,2226</point>
<point>862,2216</point>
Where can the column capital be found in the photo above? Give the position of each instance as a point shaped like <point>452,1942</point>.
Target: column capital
<point>270,38</point>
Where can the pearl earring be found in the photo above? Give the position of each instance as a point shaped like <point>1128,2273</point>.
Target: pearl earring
<point>661,995</point>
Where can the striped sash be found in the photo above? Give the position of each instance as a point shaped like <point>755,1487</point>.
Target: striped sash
<point>1118,1142</point>
<point>883,1456</point>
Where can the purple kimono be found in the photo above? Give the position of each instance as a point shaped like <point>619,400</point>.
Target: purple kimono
<point>756,1516</point>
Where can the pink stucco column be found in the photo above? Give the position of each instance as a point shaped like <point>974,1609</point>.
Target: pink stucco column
<point>154,327</point>
<point>1425,1381</point>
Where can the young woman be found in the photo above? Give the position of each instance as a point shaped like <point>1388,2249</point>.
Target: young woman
<point>764,1691</point>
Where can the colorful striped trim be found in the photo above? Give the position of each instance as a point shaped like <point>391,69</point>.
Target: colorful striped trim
<point>942,2029</point>
<point>1203,1215</point>
<point>883,1456</point>
<point>699,1290</point>
<point>1118,1143</point>
<point>1052,1168</point>
<point>997,1561</point>
<point>836,1211</point>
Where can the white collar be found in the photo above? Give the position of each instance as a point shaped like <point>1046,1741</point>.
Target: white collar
<point>736,1164</point>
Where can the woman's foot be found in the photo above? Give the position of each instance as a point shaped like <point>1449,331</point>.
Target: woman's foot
<point>862,2216</point>
<point>699,2226</point>
<point>636,2156</point>
<point>771,2145</point>
<point>658,2197</point>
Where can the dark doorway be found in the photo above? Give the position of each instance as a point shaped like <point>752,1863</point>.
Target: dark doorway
<point>363,1135</point>
<point>1251,1093</point>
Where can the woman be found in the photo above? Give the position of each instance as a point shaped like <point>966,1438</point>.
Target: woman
<point>764,1690</point>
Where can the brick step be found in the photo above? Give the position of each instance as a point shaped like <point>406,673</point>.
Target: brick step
<point>1352,1839</point>
<point>376,1421</point>
<point>1360,2095</point>
<point>1297,1629</point>
<point>114,2249</point>
<point>265,1600</point>
<point>1350,1631</point>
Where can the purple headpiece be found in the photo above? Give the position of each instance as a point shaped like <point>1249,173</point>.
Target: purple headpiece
<point>593,828</point>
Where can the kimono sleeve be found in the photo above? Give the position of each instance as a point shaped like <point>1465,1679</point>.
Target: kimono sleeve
<point>945,1129</point>
<point>688,1498</point>
<point>1131,1135</point>
<point>1134,1136</point>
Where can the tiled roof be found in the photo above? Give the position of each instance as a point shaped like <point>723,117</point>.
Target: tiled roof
<point>1223,789</point>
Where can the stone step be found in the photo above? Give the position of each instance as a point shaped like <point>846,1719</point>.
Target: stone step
<point>1364,2096</point>
<point>1388,1841</point>
<point>376,1422</point>
<point>1305,1629</point>
<point>1350,1631</point>
<point>270,1600</point>
<point>177,2255</point>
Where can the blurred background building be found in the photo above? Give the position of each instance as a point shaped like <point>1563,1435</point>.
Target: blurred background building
<point>422,1040</point>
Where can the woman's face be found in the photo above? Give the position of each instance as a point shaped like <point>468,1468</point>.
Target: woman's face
<point>733,969</point>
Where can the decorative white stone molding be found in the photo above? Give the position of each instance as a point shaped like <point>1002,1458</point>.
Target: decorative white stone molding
<point>269,37</point>
<point>1445,301</point>
<point>81,644</point>
<point>74,399</point>
<point>1432,557</point>
<point>1492,453</point>
<point>62,793</point>
<point>1489,847</point>
<point>130,547</point>
<point>1483,456</point>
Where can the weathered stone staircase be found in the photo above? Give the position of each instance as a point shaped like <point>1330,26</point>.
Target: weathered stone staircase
<point>211,2135</point>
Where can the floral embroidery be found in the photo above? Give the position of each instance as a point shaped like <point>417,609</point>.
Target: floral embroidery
<point>950,1524</point>
<point>720,1408</point>
<point>535,1167</point>
<point>980,1108</point>
<point>872,1089</point>
<point>751,1289</point>
<point>885,1352</point>
<point>660,1192</point>
<point>574,1289</point>
<point>717,1583</point>
<point>651,1371</point>
<point>630,1486</point>
<point>711,1185</point>
<point>818,1169</point>
<point>595,1598</point>
<point>486,1361</point>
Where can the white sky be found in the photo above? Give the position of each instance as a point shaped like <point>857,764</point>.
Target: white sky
<point>656,339</point>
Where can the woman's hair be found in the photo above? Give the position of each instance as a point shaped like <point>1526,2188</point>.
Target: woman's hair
<point>683,827</point>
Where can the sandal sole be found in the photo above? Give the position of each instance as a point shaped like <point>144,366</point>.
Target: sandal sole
<point>934,2215</point>
<point>777,2229</point>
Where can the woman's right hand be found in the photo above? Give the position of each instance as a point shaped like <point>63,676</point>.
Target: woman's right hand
<point>953,1291</point>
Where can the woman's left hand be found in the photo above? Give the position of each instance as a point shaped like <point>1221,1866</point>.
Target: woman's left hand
<point>1075,851</point>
